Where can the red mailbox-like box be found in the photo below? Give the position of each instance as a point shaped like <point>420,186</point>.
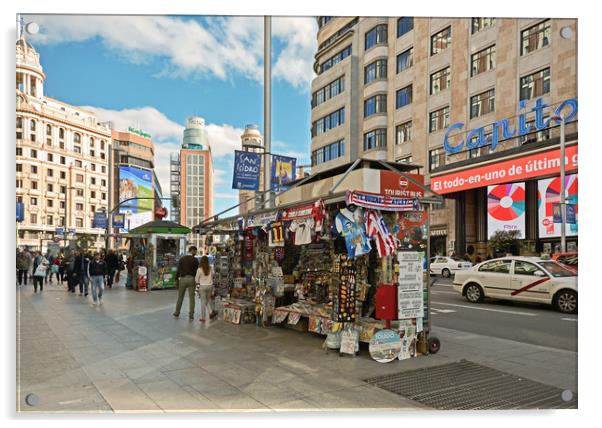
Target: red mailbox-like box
<point>386,302</point>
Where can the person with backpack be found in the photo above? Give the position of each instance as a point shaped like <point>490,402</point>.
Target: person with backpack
<point>39,274</point>
<point>97,270</point>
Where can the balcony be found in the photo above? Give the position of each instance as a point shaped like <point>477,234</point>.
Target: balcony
<point>34,192</point>
<point>50,194</point>
<point>51,179</point>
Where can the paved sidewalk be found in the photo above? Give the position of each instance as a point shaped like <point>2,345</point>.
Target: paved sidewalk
<point>130,355</point>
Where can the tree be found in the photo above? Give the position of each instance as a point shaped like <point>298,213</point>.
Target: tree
<point>504,241</point>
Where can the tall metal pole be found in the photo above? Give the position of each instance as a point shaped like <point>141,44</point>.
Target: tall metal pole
<point>267,102</point>
<point>562,190</point>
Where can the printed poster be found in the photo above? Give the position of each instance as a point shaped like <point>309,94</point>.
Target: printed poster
<point>506,208</point>
<point>247,170</point>
<point>283,172</point>
<point>548,191</point>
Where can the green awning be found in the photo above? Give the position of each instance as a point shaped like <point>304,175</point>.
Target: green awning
<point>160,226</point>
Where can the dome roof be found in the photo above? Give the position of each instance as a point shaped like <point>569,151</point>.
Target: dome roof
<point>24,43</point>
<point>26,54</point>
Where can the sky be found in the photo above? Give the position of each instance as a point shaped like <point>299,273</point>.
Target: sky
<point>152,72</point>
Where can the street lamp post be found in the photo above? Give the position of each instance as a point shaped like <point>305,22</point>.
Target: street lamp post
<point>560,118</point>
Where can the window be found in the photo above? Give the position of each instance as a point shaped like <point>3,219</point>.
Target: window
<point>482,61</point>
<point>103,196</point>
<point>61,134</point>
<point>92,208</point>
<point>79,222</point>
<point>19,151</point>
<point>436,159</point>
<point>535,37</point>
<point>405,60</point>
<point>327,153</point>
<point>77,138</point>
<point>338,57</point>
<point>93,166</point>
<point>33,201</point>
<point>50,187</point>
<point>103,182</point>
<point>439,119</point>
<point>62,205</point>
<point>481,150</point>
<point>440,41</point>
<point>50,157</point>
<point>376,70</point>
<point>404,25</point>
<point>103,169</point>
<point>375,104</point>
<point>407,159</point>
<point>79,206</point>
<point>77,149</point>
<point>79,178</point>
<point>62,160</point>
<point>50,172</point>
<point>34,169</point>
<point>102,155</point>
<point>328,122</point>
<point>497,266</point>
<point>49,220</point>
<point>482,104</point>
<point>34,153</point>
<point>78,163</point>
<point>33,218</point>
<point>525,268</point>
<point>92,143</point>
<point>92,153</point>
<point>479,24</point>
<point>535,85</point>
<point>403,132</point>
<point>403,97</point>
<point>102,144</point>
<point>440,80</point>
<point>48,130</point>
<point>62,175</point>
<point>323,20</point>
<point>535,136</point>
<point>34,185</point>
<point>375,138</point>
<point>63,189</point>
<point>92,180</point>
<point>49,203</point>
<point>93,194</point>
<point>61,221</point>
<point>19,185</point>
<point>376,36</point>
<point>32,125</point>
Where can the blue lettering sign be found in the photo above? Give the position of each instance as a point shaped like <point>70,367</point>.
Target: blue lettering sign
<point>247,170</point>
<point>448,147</point>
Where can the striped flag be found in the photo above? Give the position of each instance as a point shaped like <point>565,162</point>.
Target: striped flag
<point>377,229</point>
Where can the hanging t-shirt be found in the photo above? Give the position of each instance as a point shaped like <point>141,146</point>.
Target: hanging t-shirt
<point>350,225</point>
<point>302,229</point>
<point>276,235</point>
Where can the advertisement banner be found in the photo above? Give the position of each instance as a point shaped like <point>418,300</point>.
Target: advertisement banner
<point>532,166</point>
<point>100,220</point>
<point>20,211</point>
<point>296,213</point>
<point>548,191</point>
<point>118,221</point>
<point>394,184</point>
<point>506,208</point>
<point>379,202</point>
<point>247,170</point>
<point>135,183</point>
<point>283,172</point>
<point>410,302</point>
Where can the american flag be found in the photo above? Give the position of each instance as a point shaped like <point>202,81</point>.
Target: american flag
<point>377,229</point>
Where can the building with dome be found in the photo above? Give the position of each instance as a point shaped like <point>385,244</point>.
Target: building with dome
<point>62,161</point>
<point>252,141</point>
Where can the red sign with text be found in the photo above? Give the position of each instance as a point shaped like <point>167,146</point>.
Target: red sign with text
<point>533,166</point>
<point>397,185</point>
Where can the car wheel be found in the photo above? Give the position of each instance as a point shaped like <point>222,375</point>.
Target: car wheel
<point>434,345</point>
<point>446,273</point>
<point>566,301</point>
<point>474,293</point>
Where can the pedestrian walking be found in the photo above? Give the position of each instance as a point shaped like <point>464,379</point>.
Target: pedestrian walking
<point>204,287</point>
<point>81,269</point>
<point>22,267</point>
<point>50,258</point>
<point>185,280</point>
<point>55,269</point>
<point>39,274</point>
<point>97,270</point>
<point>112,267</point>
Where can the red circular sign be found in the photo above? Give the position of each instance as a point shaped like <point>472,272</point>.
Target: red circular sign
<point>403,182</point>
<point>161,212</point>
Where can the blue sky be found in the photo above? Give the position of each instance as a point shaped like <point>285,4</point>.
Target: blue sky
<point>154,71</point>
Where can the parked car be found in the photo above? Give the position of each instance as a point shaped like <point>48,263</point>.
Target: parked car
<point>570,260</point>
<point>527,279</point>
<point>446,266</point>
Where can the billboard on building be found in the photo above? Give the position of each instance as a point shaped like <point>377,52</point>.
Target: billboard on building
<point>548,196</point>
<point>135,183</point>
<point>506,208</point>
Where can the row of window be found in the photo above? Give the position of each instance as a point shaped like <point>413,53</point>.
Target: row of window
<point>327,153</point>
<point>79,178</point>
<point>327,92</point>
<point>50,157</point>
<point>50,204</point>
<point>335,59</point>
<point>323,20</point>
<point>77,137</point>
<point>328,122</point>
<point>33,219</point>
<point>62,189</point>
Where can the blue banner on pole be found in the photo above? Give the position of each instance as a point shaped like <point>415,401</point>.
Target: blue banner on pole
<point>100,220</point>
<point>20,211</point>
<point>571,214</point>
<point>556,213</point>
<point>283,172</point>
<point>247,170</point>
<point>118,221</point>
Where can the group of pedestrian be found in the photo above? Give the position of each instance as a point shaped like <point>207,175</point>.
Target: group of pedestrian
<point>195,277</point>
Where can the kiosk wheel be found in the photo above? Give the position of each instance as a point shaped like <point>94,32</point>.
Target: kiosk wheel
<point>434,345</point>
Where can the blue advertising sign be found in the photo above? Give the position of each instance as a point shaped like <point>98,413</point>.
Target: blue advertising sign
<point>118,221</point>
<point>59,231</point>
<point>20,211</point>
<point>571,214</point>
<point>247,170</point>
<point>100,220</point>
<point>283,171</point>
<point>556,213</point>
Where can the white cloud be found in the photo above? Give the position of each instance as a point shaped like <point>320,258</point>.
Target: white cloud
<point>226,195</point>
<point>220,46</point>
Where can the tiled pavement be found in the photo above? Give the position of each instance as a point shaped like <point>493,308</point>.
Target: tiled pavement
<point>130,355</point>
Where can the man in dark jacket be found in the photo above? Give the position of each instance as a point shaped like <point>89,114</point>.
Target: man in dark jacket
<point>97,270</point>
<point>187,267</point>
<point>112,267</point>
<point>80,268</point>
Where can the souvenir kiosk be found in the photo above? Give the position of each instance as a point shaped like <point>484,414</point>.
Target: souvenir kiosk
<point>155,249</point>
<point>333,239</point>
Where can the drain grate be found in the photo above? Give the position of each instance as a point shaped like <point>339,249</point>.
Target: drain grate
<point>465,385</point>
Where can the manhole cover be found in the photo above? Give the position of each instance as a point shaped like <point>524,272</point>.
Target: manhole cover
<point>465,385</point>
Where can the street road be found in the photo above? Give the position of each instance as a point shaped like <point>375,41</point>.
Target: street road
<point>524,322</point>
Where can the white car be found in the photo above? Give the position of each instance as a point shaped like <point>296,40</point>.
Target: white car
<point>526,279</point>
<point>446,266</point>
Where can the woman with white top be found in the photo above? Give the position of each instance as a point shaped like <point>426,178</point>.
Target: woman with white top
<point>204,286</point>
